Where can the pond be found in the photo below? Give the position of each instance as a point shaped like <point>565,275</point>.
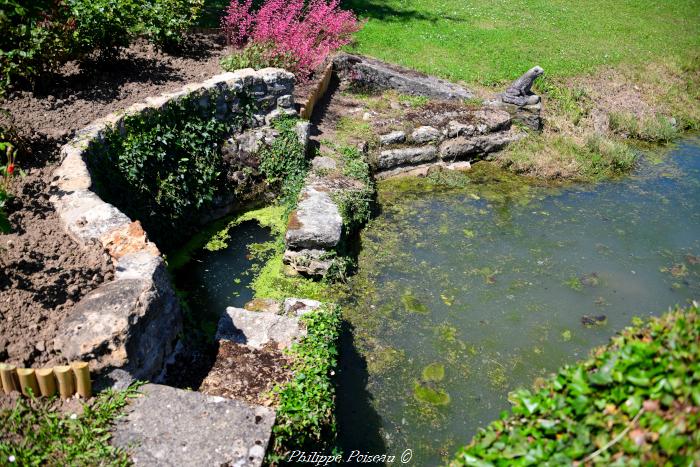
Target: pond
<point>465,293</point>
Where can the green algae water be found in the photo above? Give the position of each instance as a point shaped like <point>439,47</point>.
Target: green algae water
<point>470,286</point>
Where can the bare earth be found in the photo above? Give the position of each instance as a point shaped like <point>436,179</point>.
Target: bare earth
<point>43,273</point>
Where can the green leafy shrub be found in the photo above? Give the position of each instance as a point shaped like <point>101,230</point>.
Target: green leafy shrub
<point>36,38</point>
<point>255,56</point>
<point>40,35</point>
<point>167,21</point>
<point>165,167</point>
<point>104,25</point>
<point>284,162</point>
<point>305,414</point>
<point>635,402</point>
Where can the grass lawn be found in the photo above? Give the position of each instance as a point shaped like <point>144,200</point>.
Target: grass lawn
<point>488,41</point>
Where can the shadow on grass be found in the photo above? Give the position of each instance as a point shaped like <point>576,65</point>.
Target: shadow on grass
<point>379,10</point>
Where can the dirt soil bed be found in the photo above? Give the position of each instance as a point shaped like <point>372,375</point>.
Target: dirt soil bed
<point>43,273</point>
<point>241,372</point>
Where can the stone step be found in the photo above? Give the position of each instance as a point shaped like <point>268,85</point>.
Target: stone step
<point>257,329</point>
<point>166,426</point>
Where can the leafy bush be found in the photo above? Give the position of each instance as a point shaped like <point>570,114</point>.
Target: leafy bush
<point>103,24</point>
<point>284,162</point>
<point>167,21</point>
<point>36,38</point>
<point>289,29</point>
<point>256,56</point>
<point>635,402</point>
<point>165,167</point>
<point>305,414</point>
<point>40,35</point>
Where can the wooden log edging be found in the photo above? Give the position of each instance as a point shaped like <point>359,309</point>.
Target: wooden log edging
<point>45,381</point>
<point>307,109</point>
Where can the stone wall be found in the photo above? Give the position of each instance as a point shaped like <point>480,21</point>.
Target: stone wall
<point>132,322</point>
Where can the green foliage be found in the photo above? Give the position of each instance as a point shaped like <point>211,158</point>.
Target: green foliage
<point>165,167</point>
<point>36,38</point>
<point>104,25</point>
<point>635,402</point>
<point>36,434</point>
<point>40,35</point>
<point>255,56</point>
<point>167,21</point>
<point>355,205</point>
<point>284,162</point>
<point>305,414</point>
<point>658,129</point>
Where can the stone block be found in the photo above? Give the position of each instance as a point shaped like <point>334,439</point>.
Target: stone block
<point>316,223</point>
<point>395,137</point>
<point>128,323</point>
<point>405,156</point>
<point>425,134</point>
<point>171,427</point>
<point>255,329</point>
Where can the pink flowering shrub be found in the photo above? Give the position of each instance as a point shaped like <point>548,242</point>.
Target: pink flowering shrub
<point>300,35</point>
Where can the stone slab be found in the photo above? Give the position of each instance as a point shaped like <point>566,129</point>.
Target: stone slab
<point>172,427</point>
<point>255,329</point>
<point>316,223</point>
<point>405,156</point>
<point>382,75</point>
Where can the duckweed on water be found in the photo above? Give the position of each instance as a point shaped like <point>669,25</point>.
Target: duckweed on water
<point>434,372</point>
<point>430,395</point>
<point>412,305</point>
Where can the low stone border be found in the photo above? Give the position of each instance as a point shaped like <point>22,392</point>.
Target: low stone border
<point>132,322</point>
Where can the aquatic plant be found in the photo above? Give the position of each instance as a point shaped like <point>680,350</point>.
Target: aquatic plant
<point>430,395</point>
<point>412,305</point>
<point>434,372</point>
<point>637,400</point>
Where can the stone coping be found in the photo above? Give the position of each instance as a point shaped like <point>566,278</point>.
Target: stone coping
<point>132,322</point>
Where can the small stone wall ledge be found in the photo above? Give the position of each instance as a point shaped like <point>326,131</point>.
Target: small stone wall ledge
<point>131,323</point>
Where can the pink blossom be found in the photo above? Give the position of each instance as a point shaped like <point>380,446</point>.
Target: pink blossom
<point>303,35</point>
